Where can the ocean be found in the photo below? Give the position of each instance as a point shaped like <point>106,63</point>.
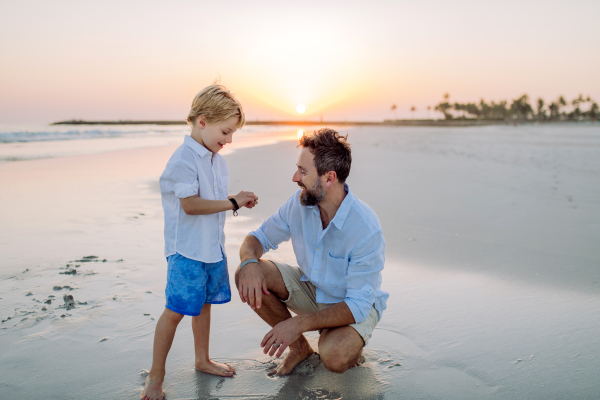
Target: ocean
<point>20,142</point>
<point>37,133</point>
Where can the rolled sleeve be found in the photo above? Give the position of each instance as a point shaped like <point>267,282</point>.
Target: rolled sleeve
<point>181,178</point>
<point>263,239</point>
<point>184,190</point>
<point>364,267</point>
<point>275,229</point>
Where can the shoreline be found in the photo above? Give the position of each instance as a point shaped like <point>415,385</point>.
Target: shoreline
<point>387,123</point>
<point>18,151</point>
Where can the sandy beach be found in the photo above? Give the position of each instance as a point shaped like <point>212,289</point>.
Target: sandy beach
<point>492,265</point>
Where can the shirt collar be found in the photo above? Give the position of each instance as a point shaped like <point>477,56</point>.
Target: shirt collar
<point>197,147</point>
<point>342,212</point>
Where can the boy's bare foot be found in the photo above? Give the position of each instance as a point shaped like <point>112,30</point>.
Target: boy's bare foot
<point>211,367</point>
<point>153,389</point>
<point>294,357</point>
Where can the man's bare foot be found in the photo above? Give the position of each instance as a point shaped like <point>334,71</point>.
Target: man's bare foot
<point>153,389</point>
<point>294,357</point>
<point>211,367</point>
<point>361,361</point>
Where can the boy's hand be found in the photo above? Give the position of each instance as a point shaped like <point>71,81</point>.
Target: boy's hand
<point>246,199</point>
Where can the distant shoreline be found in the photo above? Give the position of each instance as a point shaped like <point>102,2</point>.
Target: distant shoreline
<point>396,122</point>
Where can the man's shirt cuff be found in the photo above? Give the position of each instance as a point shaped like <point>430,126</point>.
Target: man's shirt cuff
<point>264,241</point>
<point>360,302</point>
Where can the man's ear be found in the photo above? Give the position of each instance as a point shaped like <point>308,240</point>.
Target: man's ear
<point>331,178</point>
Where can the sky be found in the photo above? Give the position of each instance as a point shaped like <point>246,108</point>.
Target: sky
<point>342,60</point>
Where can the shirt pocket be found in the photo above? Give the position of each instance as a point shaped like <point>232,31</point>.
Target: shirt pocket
<point>335,272</point>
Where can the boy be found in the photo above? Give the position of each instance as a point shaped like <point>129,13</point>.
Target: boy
<point>194,189</point>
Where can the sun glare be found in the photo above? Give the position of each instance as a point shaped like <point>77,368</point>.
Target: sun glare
<point>300,133</point>
<point>300,108</point>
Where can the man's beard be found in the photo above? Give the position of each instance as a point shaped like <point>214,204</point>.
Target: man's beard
<point>312,196</point>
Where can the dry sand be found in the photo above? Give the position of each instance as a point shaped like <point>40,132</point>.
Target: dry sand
<point>493,269</point>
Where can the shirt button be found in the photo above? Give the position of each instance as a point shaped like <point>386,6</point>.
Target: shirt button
<point>315,271</point>
<point>318,248</point>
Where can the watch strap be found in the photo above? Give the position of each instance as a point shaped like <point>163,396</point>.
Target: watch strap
<point>235,206</point>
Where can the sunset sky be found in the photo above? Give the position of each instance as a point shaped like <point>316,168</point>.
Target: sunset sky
<point>340,59</point>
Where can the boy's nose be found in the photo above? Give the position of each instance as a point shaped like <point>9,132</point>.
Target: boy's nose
<point>229,139</point>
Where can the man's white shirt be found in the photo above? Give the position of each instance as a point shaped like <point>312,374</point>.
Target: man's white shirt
<point>344,261</point>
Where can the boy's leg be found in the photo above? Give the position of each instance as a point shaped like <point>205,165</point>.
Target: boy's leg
<point>163,338</point>
<point>201,329</point>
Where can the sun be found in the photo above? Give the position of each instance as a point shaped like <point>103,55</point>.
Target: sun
<point>300,108</point>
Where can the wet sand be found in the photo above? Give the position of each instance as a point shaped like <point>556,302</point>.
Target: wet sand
<point>492,266</point>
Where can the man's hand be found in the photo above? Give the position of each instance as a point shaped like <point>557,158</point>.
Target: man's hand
<point>252,285</point>
<point>281,336</point>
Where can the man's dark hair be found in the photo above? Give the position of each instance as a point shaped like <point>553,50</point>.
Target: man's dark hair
<point>331,150</point>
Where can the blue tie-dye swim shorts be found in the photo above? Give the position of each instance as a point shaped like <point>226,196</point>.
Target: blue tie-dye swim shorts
<point>191,284</point>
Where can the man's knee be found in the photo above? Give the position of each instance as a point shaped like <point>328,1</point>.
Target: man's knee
<point>334,362</point>
<point>340,349</point>
<point>238,271</point>
<point>272,276</point>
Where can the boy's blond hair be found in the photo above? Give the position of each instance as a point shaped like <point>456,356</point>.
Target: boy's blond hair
<point>217,104</point>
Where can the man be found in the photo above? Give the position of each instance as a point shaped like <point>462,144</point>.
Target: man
<point>339,247</point>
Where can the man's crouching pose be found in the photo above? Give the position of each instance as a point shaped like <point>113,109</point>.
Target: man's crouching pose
<point>339,247</point>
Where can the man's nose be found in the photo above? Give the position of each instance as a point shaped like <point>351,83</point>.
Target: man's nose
<point>296,177</point>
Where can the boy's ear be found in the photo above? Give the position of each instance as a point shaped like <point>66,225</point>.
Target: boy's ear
<point>201,121</point>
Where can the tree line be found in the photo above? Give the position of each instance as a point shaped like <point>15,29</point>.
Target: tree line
<point>578,109</point>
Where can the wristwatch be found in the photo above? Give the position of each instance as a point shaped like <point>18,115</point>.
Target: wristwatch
<point>235,206</point>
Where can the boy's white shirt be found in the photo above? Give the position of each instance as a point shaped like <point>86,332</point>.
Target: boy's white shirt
<point>194,170</point>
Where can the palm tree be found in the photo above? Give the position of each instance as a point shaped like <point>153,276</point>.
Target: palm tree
<point>561,103</point>
<point>520,107</point>
<point>393,108</point>
<point>576,103</point>
<point>594,111</point>
<point>444,107</point>
<point>412,110</point>
<point>541,114</point>
<point>485,109</point>
<point>554,109</point>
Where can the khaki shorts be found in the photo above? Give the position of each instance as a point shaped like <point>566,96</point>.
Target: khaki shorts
<point>303,300</point>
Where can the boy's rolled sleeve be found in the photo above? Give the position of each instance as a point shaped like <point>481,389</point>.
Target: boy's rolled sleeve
<point>363,275</point>
<point>181,179</point>
<point>185,190</point>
